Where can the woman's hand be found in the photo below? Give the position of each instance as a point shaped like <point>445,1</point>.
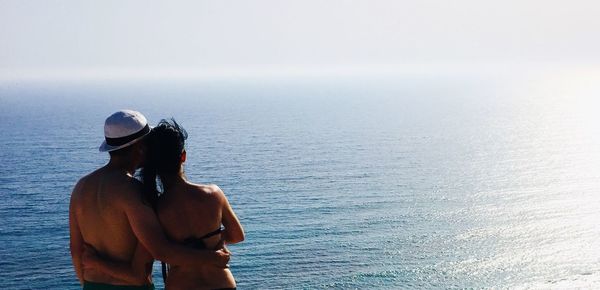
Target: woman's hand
<point>222,258</point>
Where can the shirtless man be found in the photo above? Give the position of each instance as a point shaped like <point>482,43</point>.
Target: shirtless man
<point>109,213</point>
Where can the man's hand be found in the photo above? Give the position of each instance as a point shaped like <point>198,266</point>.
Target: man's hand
<point>221,258</point>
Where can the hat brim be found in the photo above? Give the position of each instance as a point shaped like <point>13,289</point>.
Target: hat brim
<point>107,148</point>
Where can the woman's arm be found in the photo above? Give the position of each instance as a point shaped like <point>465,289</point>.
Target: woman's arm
<point>127,272</point>
<point>234,233</point>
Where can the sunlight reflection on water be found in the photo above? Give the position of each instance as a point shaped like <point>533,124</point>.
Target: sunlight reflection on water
<point>417,183</point>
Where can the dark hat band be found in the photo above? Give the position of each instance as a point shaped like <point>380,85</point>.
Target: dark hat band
<point>124,140</point>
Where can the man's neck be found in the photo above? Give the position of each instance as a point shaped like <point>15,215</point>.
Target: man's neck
<point>121,164</point>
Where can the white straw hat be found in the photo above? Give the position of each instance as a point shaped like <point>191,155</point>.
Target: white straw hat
<point>122,129</point>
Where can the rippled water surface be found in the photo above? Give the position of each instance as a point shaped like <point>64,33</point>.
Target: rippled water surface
<point>409,182</point>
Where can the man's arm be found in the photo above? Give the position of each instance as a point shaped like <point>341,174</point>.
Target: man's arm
<point>147,229</point>
<point>75,238</point>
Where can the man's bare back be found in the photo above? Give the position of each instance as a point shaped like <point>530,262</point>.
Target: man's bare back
<point>98,203</point>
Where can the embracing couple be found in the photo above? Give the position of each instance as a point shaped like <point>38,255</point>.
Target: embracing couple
<point>119,225</point>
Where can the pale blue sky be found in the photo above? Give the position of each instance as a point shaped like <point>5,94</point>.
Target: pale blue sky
<point>76,35</point>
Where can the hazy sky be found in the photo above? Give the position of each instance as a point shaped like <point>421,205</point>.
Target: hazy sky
<point>213,35</point>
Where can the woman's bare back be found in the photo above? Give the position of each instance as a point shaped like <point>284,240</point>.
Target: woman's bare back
<point>188,212</point>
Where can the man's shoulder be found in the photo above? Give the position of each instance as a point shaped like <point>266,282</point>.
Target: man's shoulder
<point>78,189</point>
<point>81,188</point>
<point>88,178</point>
<point>127,188</point>
<point>114,186</point>
<point>83,180</point>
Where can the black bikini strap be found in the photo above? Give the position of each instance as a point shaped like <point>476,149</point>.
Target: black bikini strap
<point>213,233</point>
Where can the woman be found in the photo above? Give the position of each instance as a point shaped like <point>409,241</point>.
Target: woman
<point>191,214</point>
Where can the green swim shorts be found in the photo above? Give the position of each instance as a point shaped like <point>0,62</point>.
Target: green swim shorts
<point>101,286</point>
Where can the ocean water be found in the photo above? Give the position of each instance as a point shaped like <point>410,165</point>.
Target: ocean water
<point>407,182</point>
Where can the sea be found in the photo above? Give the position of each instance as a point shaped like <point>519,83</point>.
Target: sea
<point>408,181</point>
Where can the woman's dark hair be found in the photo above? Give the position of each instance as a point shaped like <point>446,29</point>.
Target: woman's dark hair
<point>165,145</point>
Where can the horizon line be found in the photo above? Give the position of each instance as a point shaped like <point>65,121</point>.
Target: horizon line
<point>274,72</point>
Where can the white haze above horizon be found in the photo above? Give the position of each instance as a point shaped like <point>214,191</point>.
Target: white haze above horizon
<point>123,38</point>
